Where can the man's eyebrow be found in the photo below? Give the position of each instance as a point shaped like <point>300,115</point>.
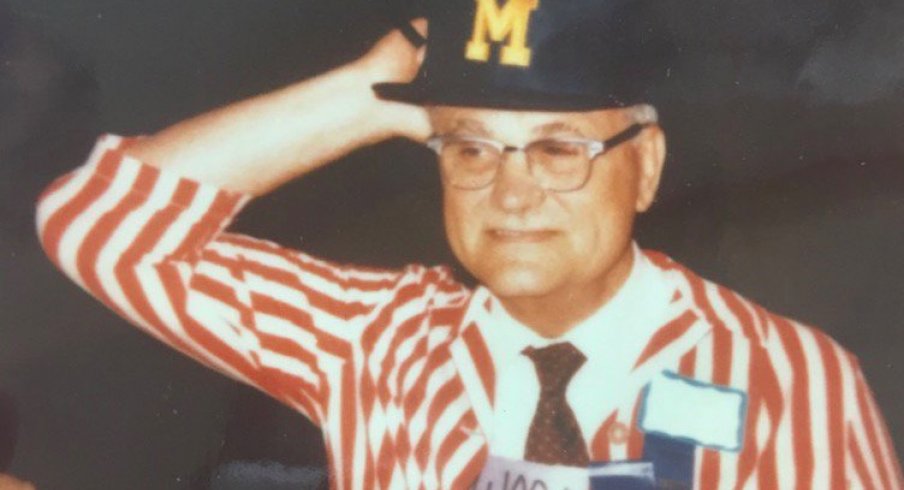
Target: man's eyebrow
<point>469,126</point>
<point>557,127</point>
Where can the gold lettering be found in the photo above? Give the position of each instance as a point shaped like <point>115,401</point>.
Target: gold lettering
<point>511,21</point>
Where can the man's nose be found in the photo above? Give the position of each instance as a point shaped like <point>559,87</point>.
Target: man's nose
<point>515,190</point>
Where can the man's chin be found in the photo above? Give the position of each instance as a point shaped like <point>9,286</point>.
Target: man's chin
<point>519,283</point>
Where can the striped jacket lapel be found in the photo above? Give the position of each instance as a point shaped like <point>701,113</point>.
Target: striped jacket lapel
<point>471,356</point>
<point>683,327</point>
<point>452,448</point>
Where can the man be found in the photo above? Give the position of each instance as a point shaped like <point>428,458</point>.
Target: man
<point>581,361</point>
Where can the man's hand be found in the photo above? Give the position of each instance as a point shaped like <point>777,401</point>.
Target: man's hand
<point>395,59</point>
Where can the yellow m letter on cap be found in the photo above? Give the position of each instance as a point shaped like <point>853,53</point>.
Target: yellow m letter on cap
<point>510,22</point>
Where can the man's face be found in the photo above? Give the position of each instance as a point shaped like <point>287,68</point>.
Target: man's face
<point>523,241</point>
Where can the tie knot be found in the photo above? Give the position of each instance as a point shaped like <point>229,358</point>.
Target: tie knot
<point>555,364</point>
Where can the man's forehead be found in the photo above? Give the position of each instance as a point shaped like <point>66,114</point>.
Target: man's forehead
<point>488,122</point>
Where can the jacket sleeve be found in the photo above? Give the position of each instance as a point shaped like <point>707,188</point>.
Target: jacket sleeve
<point>870,453</point>
<point>151,246</point>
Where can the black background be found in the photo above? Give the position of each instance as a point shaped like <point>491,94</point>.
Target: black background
<point>785,181</point>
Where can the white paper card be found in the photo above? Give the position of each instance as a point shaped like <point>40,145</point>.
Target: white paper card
<point>704,414</point>
<point>513,474</point>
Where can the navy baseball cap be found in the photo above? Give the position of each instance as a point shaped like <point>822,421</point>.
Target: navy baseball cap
<point>558,55</point>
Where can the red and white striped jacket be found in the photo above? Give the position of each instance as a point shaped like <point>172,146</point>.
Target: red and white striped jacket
<point>390,364</point>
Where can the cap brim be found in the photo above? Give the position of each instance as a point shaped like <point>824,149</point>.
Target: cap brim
<point>493,98</point>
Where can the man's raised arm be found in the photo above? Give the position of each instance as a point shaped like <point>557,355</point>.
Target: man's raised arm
<point>255,145</point>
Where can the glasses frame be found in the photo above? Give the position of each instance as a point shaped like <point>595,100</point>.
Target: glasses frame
<point>594,148</point>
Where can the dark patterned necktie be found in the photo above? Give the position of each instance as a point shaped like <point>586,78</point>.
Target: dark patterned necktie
<point>554,436</point>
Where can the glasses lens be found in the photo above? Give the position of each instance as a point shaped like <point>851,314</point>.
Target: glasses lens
<point>559,165</point>
<point>469,164</point>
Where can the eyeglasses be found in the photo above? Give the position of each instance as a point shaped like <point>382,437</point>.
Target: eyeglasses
<point>557,164</point>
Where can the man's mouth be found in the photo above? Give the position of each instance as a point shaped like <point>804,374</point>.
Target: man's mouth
<point>520,235</point>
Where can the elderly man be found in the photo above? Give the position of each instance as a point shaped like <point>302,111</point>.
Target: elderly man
<point>580,361</point>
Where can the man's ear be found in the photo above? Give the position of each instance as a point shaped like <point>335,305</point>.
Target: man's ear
<point>650,158</point>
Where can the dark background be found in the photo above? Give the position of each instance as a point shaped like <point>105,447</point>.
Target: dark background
<point>785,181</point>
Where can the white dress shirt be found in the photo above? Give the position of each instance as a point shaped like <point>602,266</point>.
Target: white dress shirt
<point>611,338</point>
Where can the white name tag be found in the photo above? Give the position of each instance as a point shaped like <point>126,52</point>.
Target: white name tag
<point>512,474</point>
<point>704,414</point>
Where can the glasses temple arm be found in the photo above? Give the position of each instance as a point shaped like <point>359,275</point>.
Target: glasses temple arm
<point>628,133</point>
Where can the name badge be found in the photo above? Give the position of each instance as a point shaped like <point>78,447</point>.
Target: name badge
<point>700,413</point>
<point>513,474</point>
